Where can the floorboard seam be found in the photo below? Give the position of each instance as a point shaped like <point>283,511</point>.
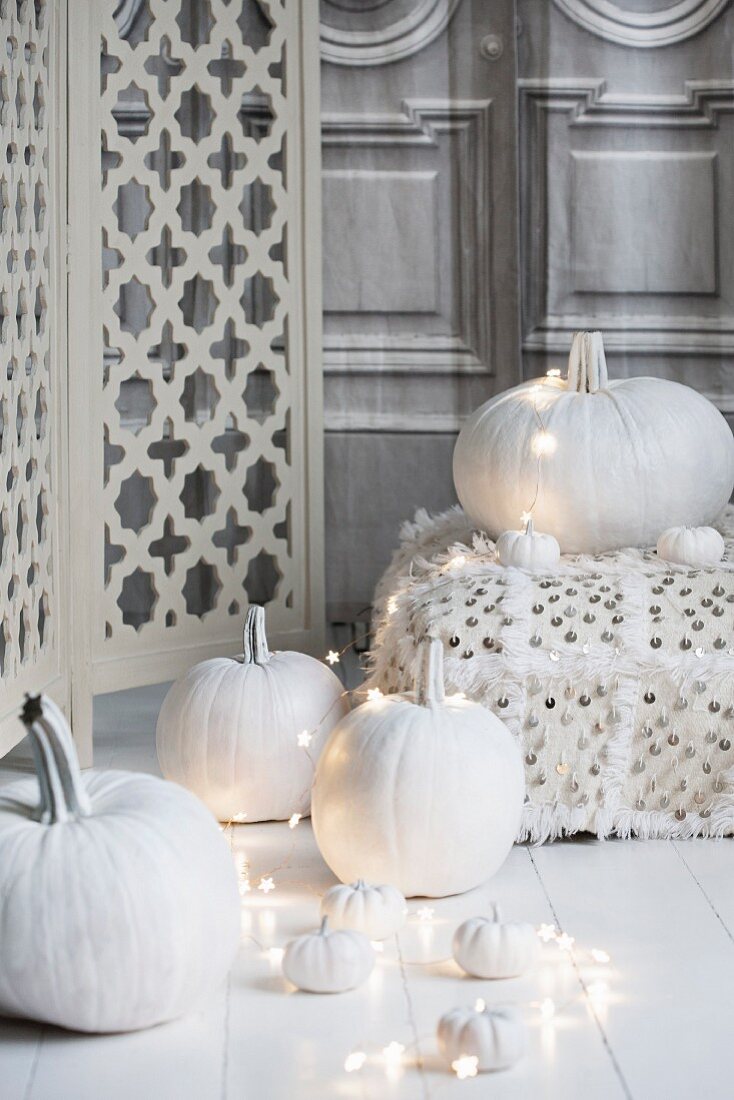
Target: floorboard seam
<point>225,1045</point>
<point>701,887</point>
<point>413,1025</point>
<point>604,1038</point>
<point>34,1065</point>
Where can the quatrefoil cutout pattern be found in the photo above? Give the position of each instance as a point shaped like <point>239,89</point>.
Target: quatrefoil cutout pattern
<point>28,601</point>
<point>198,395</point>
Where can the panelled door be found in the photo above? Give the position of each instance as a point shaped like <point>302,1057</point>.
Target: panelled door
<point>420,259</point>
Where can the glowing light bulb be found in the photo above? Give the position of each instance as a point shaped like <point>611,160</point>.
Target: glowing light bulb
<point>425,913</point>
<point>547,932</point>
<point>239,818</point>
<point>525,518</point>
<point>377,945</point>
<point>244,886</point>
<point>393,1052</point>
<point>293,820</point>
<point>466,1066</point>
<point>275,954</point>
<point>565,942</point>
<point>266,884</point>
<point>457,695</point>
<point>392,605</point>
<point>480,1004</point>
<point>373,695</point>
<point>554,372</point>
<point>458,562</point>
<point>600,956</point>
<point>332,657</point>
<point>544,443</point>
<point>304,739</point>
<point>355,1061</point>
<point>547,1008</point>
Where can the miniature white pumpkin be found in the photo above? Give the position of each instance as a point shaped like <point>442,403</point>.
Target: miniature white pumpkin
<point>697,546</point>
<point>120,907</point>
<point>377,911</point>
<point>328,962</point>
<point>488,948</point>
<point>420,791</point>
<point>613,463</point>
<point>494,1036</point>
<point>229,728</point>
<point>528,549</point>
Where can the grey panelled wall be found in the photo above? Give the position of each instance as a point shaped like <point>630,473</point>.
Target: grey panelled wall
<point>626,177</point>
<point>420,259</point>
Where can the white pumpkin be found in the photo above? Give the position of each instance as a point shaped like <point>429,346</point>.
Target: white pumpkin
<point>488,948</point>
<point>494,1036</point>
<point>229,728</point>
<point>420,791</point>
<point>120,907</point>
<point>697,546</point>
<point>328,962</point>
<point>528,550</point>
<point>612,463</point>
<point>377,911</point>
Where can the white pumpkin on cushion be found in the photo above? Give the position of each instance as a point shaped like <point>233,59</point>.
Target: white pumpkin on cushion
<point>120,907</point>
<point>528,550</point>
<point>229,728</point>
<point>696,546</point>
<point>488,948</point>
<point>377,911</point>
<point>328,962</point>
<point>423,791</point>
<point>494,1036</point>
<point>613,463</point>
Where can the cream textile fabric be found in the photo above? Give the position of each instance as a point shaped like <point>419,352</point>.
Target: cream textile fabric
<point>614,672</point>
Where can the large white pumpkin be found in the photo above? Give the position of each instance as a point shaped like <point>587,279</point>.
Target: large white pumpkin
<point>422,792</point>
<point>601,464</point>
<point>232,729</point>
<point>119,904</point>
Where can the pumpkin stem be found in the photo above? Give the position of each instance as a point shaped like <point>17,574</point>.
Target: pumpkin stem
<point>62,794</point>
<point>429,687</point>
<point>255,642</point>
<point>324,929</point>
<point>496,913</point>
<point>587,364</point>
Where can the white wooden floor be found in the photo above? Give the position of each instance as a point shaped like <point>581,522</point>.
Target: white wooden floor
<point>653,1022</point>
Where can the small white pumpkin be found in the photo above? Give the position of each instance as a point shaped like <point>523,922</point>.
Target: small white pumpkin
<point>229,728</point>
<point>696,546</point>
<point>494,1036</point>
<point>420,791</point>
<point>377,911</point>
<point>608,463</point>
<point>120,907</point>
<point>528,550</point>
<point>328,962</point>
<point>485,947</point>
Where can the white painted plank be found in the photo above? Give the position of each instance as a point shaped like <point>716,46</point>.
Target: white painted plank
<point>179,1061</point>
<point>711,864</point>
<point>19,1051</point>
<point>566,1056</point>
<point>666,1013</point>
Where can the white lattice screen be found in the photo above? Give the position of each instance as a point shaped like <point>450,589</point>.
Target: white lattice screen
<point>194,411</point>
<point>32,404</point>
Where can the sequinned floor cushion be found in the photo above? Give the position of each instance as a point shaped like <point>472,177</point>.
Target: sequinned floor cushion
<point>615,673</point>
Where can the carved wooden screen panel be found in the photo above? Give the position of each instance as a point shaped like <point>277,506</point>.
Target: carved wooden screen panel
<point>209,495</point>
<point>32,642</point>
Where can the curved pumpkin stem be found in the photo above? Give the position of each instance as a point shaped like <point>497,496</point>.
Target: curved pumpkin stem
<point>429,687</point>
<point>255,641</point>
<point>62,793</point>
<point>587,364</point>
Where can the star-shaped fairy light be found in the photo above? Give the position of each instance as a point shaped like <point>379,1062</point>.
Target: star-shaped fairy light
<point>466,1066</point>
<point>332,657</point>
<point>373,694</point>
<point>547,932</point>
<point>304,739</point>
<point>266,884</point>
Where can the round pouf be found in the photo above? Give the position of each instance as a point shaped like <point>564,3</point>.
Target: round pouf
<point>421,791</point>
<point>120,907</point>
<point>242,733</point>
